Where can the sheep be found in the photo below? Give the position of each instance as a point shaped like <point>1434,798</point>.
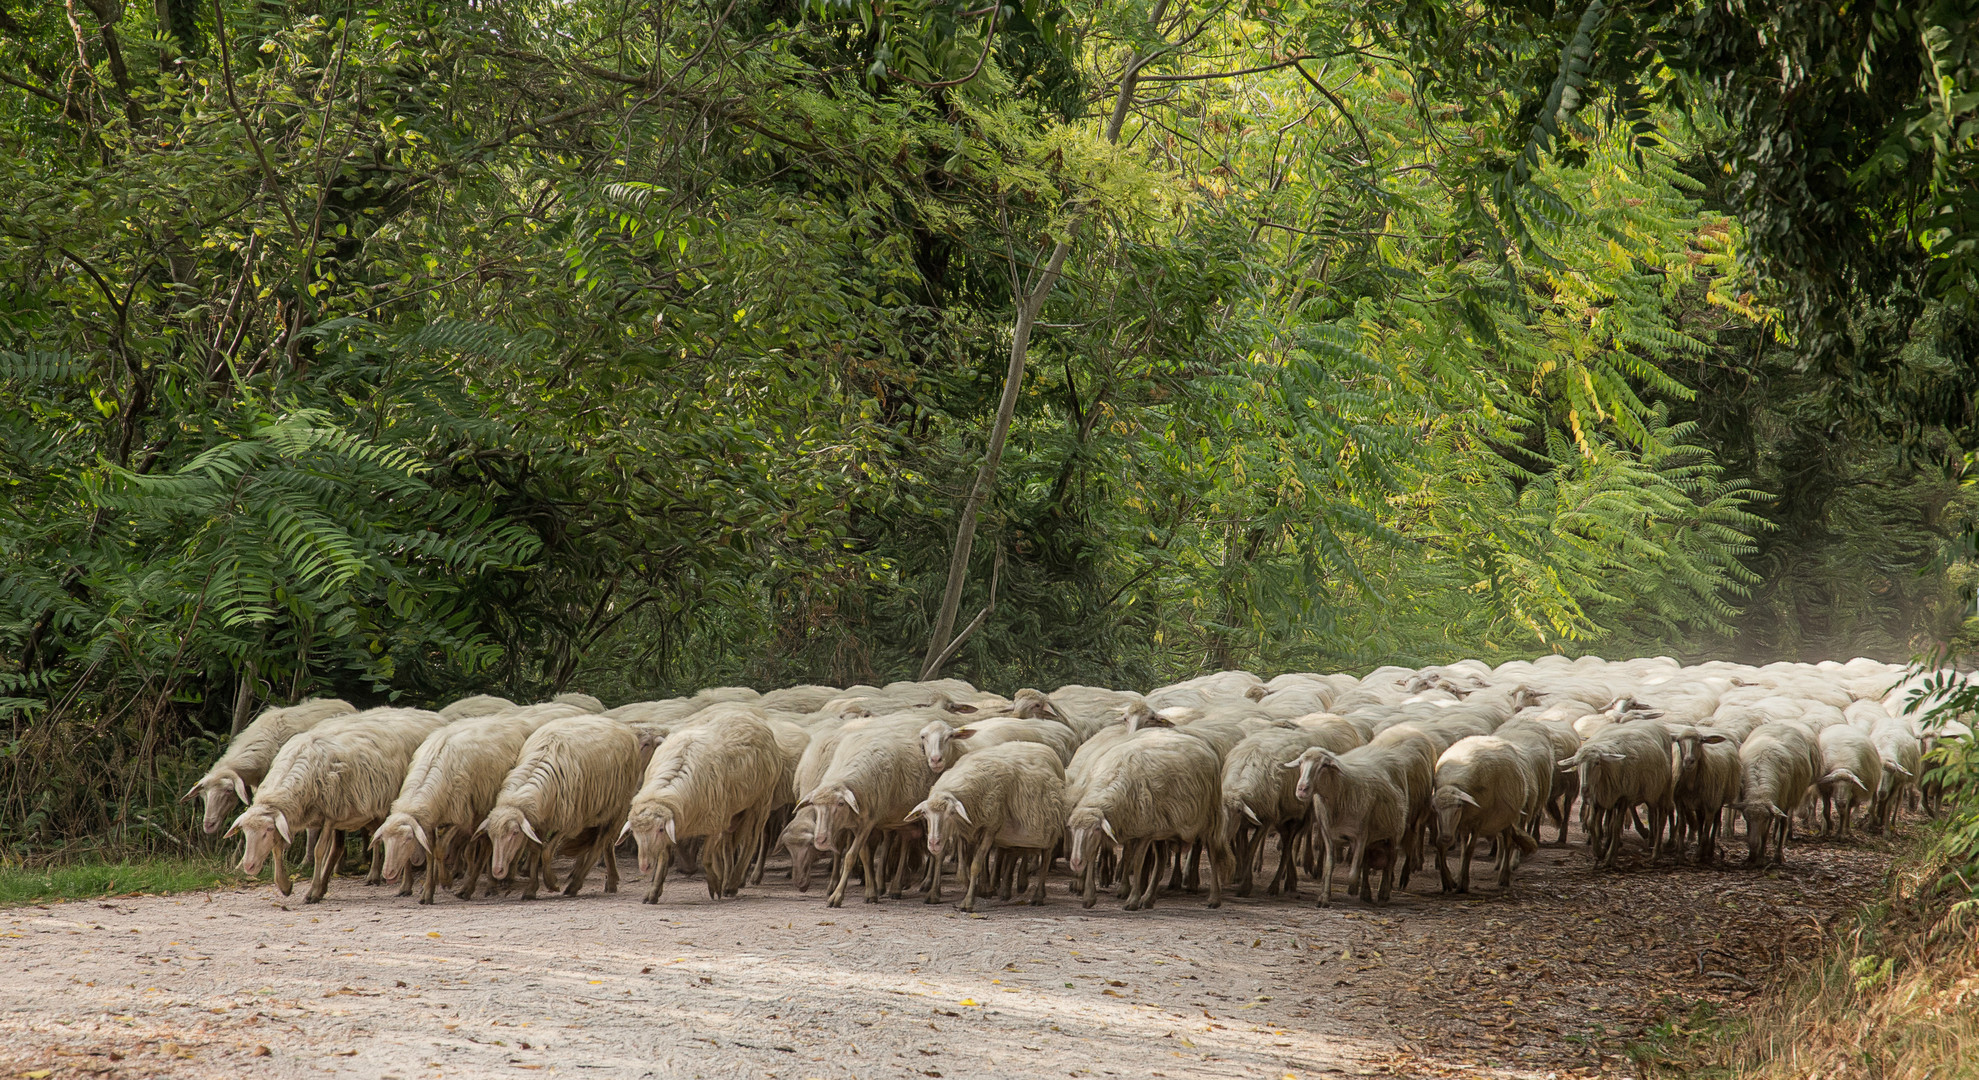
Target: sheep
<point>341,774</point>
<point>585,703</point>
<point>1153,788</point>
<point>805,698</point>
<point>240,770</point>
<point>877,773</point>
<point>1776,769</point>
<point>1556,739</point>
<point>1008,798</point>
<point>574,777</point>
<point>718,781</point>
<point>1483,789</point>
<point>945,745</point>
<point>1364,799</point>
<point>1903,760</point>
<point>1625,766</point>
<point>1257,790</point>
<point>449,787</point>
<point>1706,781</point>
<point>1852,771</point>
<point>477,705</point>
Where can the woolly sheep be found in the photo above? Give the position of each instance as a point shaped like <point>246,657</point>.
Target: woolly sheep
<point>1483,789</point>
<point>946,745</point>
<point>477,705</point>
<point>449,787</point>
<point>1903,758</point>
<point>1706,781</point>
<point>1776,769</point>
<point>1364,799</point>
<point>573,779</point>
<point>1008,800</point>
<point>584,702</point>
<point>341,774</point>
<point>1625,766</point>
<point>878,772</point>
<point>1555,739</point>
<point>1852,773</point>
<point>1261,797</point>
<point>717,781</point>
<point>1157,787</point>
<point>232,779</point>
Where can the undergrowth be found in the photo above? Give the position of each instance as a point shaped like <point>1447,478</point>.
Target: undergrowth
<point>83,880</point>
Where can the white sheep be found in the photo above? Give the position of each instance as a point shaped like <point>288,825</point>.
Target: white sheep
<point>1776,765</point>
<point>449,787</point>
<point>1008,800</point>
<point>717,781</point>
<point>585,703</point>
<point>574,777</point>
<point>945,745</point>
<point>1625,766</point>
<point>1158,787</point>
<point>1706,781</point>
<point>232,779</point>
<point>1363,799</point>
<point>1903,761</point>
<point>1852,773</point>
<point>340,775</point>
<point>1261,797</point>
<point>878,772</point>
<point>476,705</point>
<point>1483,789</point>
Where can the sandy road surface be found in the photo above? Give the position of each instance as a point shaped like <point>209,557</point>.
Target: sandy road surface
<point>774,984</point>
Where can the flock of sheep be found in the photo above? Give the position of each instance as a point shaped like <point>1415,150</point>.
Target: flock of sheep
<point>1383,770</point>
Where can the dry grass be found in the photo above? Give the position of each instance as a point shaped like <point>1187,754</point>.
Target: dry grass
<point>1895,998</point>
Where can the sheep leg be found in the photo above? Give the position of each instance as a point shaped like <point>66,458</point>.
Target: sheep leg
<point>1091,889</point>
<point>836,898</point>
<point>977,865</point>
<point>1387,879</point>
<point>587,857</point>
<point>872,849</point>
<point>547,862</point>
<point>1145,862</point>
<point>1468,842</point>
<point>1219,860</point>
<point>902,852</point>
<point>326,863</point>
<point>1175,882</point>
<point>376,874</point>
<point>476,856</point>
<point>1506,849</point>
<point>1006,873</point>
<point>1325,844</point>
<point>611,863</point>
<point>1286,881</point>
<point>1194,882</point>
<point>1246,842</point>
<point>1443,869</point>
<point>661,865</point>
<point>435,867</point>
<point>934,888</point>
<point>1357,870</point>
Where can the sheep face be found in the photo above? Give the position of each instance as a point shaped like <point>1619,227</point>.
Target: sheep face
<point>654,831</point>
<point>796,838</point>
<point>508,833</point>
<point>935,811</point>
<point>220,793</point>
<point>1450,803</point>
<point>838,811</point>
<point>1032,704</point>
<point>1086,835</point>
<point>1312,766</point>
<point>402,841</point>
<point>262,829</point>
<point>934,741</point>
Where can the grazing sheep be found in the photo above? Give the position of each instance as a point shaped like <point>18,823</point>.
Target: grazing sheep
<point>1157,787</point>
<point>240,770</point>
<point>477,705</point>
<point>1555,739</point>
<point>1483,789</point>
<point>1903,760</point>
<point>574,778</point>
<point>1261,797</point>
<point>1776,766</point>
<point>1625,766</point>
<point>1007,799</point>
<point>449,787</point>
<point>1362,799</point>
<point>945,745</point>
<point>341,774</point>
<point>717,781</point>
<point>878,772</point>
<point>1852,773</point>
<point>1706,781</point>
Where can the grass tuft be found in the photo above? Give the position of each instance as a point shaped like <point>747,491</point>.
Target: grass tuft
<point>83,880</point>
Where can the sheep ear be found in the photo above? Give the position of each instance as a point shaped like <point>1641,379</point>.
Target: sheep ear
<point>282,826</point>
<point>626,829</point>
<point>851,801</point>
<point>482,829</point>
<point>920,811</point>
<point>190,792</point>
<point>1567,763</point>
<point>1252,814</point>
<point>530,833</point>
<point>672,838</point>
<point>961,811</point>
<point>1714,739</point>
<point>1777,812</point>
<point>234,828</point>
<point>240,789</point>
<point>419,831</point>
<point>1293,764</point>
<point>958,707</point>
<point>1613,755</point>
<point>1106,827</point>
<point>1465,798</point>
<point>802,803</point>
<point>1897,768</point>
<point>962,733</point>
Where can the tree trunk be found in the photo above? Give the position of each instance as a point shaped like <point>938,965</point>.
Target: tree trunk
<point>1029,303</point>
<point>243,699</point>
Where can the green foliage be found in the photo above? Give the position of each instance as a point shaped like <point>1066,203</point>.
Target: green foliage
<point>83,880</point>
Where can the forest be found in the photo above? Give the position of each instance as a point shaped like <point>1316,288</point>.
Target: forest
<point>426,348</point>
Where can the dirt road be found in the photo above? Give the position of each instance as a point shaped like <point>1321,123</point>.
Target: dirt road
<point>1559,978</point>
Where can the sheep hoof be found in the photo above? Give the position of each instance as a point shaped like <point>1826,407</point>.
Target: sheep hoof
<point>312,899</point>
<point>1214,904</point>
<point>426,900</point>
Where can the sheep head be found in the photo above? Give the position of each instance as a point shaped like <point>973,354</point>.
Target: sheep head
<point>263,829</point>
<point>220,790</point>
<point>796,838</point>
<point>1087,833</point>
<point>508,833</point>
<point>1450,802</point>
<point>838,811</point>
<point>934,812</point>
<point>935,736</point>
<point>1312,765</point>
<point>655,831</point>
<point>1032,704</point>
<point>403,840</point>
